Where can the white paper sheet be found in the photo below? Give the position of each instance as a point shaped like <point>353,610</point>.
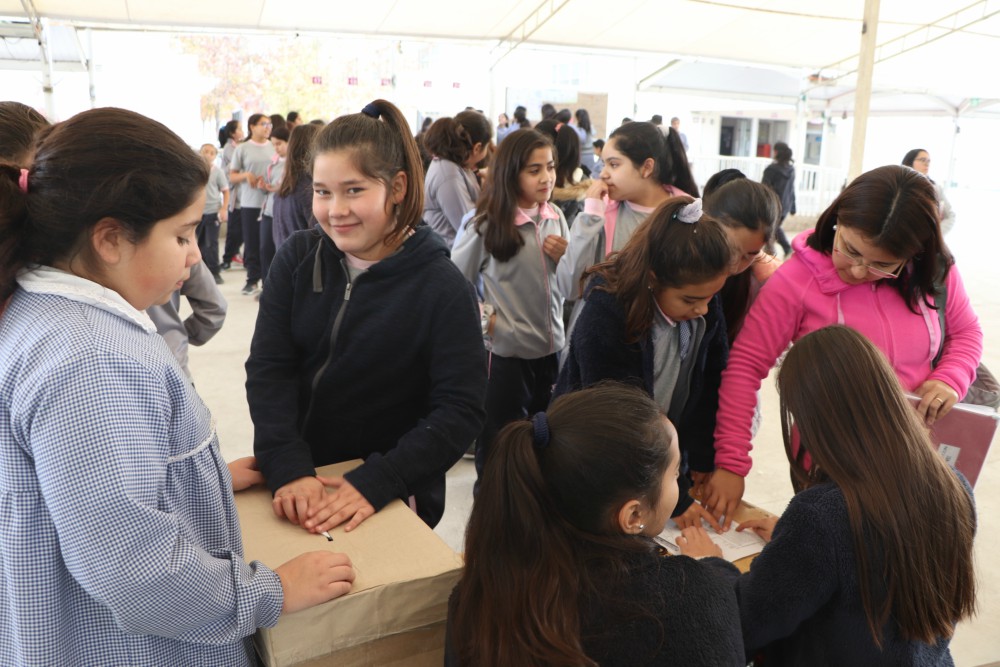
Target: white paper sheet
<point>735,545</point>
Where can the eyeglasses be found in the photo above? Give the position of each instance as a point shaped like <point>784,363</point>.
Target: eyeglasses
<point>858,260</point>
<point>265,123</point>
<point>925,160</point>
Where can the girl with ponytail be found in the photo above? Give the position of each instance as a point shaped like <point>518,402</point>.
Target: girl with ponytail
<point>560,564</point>
<point>652,317</point>
<point>457,145</point>
<point>638,176</point>
<point>368,342</point>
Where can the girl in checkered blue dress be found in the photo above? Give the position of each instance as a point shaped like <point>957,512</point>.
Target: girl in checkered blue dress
<point>119,539</point>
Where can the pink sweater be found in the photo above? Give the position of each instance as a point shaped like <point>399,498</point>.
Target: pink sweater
<point>806,294</point>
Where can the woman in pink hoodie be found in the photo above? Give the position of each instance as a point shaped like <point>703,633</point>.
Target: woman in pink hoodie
<point>872,263</point>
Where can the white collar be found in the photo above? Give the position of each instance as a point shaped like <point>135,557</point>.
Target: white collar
<point>48,280</point>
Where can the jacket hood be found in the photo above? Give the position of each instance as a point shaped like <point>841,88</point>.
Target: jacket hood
<point>820,265</point>
<point>421,247</point>
<point>576,191</point>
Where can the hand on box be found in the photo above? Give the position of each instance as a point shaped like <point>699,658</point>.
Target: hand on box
<point>293,500</point>
<point>693,516</point>
<point>313,578</point>
<point>722,494</point>
<point>343,504</point>
<point>696,543</point>
<point>762,527</point>
<point>245,473</point>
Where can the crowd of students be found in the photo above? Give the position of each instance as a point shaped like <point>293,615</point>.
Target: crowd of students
<point>406,314</point>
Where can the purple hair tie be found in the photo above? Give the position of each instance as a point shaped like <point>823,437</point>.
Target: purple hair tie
<point>22,181</point>
<point>540,430</point>
<point>371,110</point>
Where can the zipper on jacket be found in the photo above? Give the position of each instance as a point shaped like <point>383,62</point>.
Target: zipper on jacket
<point>333,343</point>
<point>545,278</point>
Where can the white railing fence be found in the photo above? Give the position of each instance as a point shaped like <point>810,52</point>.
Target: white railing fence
<point>815,187</point>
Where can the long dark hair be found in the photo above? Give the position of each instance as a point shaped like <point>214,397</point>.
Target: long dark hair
<point>454,138</point>
<point>680,169</point>
<point>299,160</point>
<point>677,254</point>
<point>896,209</point>
<point>640,141</point>
<point>568,151</point>
<point>912,521</point>
<point>742,203</point>
<point>498,200</point>
<point>583,120</point>
<point>380,148</point>
<point>75,182</point>
<point>540,515</point>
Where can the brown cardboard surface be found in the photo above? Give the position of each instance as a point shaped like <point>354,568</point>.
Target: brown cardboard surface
<point>404,576</point>
<point>418,648</point>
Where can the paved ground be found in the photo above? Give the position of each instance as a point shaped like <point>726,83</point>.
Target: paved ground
<point>219,375</point>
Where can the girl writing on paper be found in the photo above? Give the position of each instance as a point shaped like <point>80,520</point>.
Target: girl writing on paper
<point>871,563</point>
<point>560,564</point>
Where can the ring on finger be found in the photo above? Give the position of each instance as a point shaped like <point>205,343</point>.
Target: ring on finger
<point>939,400</point>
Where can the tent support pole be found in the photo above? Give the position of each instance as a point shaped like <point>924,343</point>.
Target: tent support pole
<point>863,94</point>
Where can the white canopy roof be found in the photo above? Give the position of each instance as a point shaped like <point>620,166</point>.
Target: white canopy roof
<point>948,49</point>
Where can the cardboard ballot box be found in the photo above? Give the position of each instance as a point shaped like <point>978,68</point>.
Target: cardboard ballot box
<point>395,612</point>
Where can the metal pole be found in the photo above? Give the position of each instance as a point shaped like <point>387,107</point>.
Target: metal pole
<point>863,93</point>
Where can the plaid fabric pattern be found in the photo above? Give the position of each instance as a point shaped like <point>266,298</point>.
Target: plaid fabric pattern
<point>119,539</point>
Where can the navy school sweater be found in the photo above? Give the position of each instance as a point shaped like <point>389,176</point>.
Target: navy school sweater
<point>800,604</point>
<point>392,370</point>
<point>670,610</point>
<point>598,351</point>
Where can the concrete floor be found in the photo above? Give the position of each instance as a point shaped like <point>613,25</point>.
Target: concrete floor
<point>219,376</point>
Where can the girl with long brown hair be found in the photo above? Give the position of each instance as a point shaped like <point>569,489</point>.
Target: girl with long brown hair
<point>560,565</point>
<point>367,343</point>
<point>513,245</point>
<point>872,562</point>
<point>451,189</point>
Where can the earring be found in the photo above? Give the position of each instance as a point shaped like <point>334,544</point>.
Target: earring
<point>642,527</point>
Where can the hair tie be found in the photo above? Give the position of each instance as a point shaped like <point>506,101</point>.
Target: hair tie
<point>540,430</point>
<point>690,213</point>
<point>22,181</point>
<point>371,110</point>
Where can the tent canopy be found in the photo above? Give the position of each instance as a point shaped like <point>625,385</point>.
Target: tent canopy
<point>932,49</point>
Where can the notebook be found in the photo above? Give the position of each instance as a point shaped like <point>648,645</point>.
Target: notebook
<point>964,435</point>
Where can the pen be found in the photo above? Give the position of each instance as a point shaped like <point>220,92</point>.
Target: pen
<point>327,535</point>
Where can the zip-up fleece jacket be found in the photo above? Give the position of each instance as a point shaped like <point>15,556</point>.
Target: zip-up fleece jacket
<point>390,369</point>
<point>806,294</point>
<point>522,290</point>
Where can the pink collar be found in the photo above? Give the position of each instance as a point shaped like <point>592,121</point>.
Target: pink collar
<point>545,212</point>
